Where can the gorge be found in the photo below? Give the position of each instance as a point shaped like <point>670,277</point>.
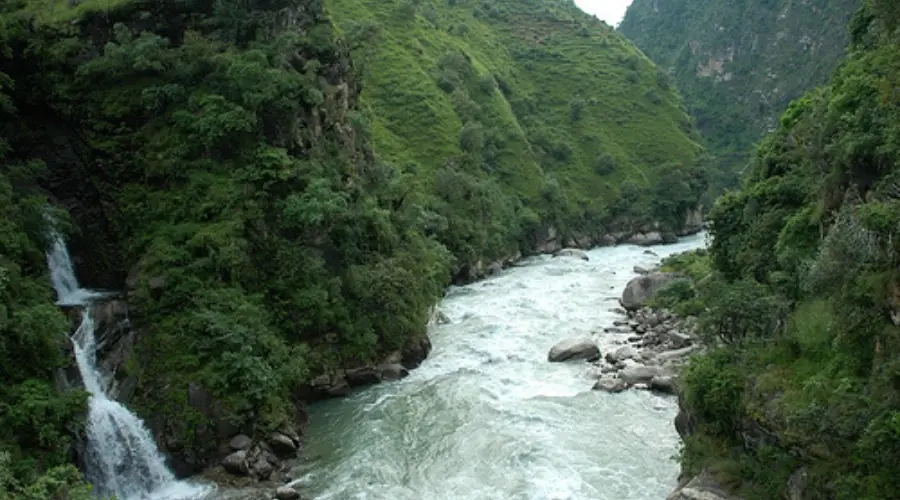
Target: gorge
<point>281,192</point>
<point>486,416</point>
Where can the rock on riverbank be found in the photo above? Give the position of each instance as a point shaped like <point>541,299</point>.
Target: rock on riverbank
<point>652,355</point>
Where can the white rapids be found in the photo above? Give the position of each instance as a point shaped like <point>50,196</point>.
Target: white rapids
<point>487,417</point>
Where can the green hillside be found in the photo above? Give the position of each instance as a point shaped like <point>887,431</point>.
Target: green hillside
<point>739,64</point>
<point>281,199</point>
<point>801,398</point>
<point>534,102</point>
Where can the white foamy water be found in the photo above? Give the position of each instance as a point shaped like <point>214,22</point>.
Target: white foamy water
<point>121,455</point>
<point>487,417</point>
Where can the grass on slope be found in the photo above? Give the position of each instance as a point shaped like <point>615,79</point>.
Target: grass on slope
<point>553,88</point>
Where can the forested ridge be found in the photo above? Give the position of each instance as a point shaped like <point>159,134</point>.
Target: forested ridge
<point>800,293</point>
<point>739,64</point>
<point>540,115</point>
<point>275,207</point>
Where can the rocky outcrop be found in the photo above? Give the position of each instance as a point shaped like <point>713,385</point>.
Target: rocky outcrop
<point>261,459</point>
<point>115,346</point>
<point>646,239</point>
<point>548,241</point>
<point>341,382</point>
<point>115,349</point>
<point>579,349</point>
<point>479,270</point>
<point>658,345</point>
<point>438,317</point>
<point>258,461</point>
<point>693,223</point>
<point>702,487</point>
<point>797,483</point>
<point>641,289</point>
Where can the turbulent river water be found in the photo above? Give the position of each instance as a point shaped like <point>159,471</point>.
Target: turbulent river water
<point>487,417</point>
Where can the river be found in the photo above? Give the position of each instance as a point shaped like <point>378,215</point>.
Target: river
<point>487,417</point>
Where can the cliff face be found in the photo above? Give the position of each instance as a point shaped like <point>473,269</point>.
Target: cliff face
<point>739,64</point>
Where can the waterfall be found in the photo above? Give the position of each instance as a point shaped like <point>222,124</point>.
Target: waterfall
<point>122,458</point>
<point>62,273</point>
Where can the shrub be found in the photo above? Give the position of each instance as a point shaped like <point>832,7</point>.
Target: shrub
<point>714,386</point>
<point>471,137</point>
<point>487,84</point>
<point>407,9</point>
<point>605,164</point>
<point>576,109</point>
<point>741,311</point>
<point>662,79</point>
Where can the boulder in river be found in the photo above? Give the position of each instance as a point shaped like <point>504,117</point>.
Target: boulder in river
<point>236,463</point>
<point>286,493</point>
<point>415,352</point>
<point>641,289</point>
<point>676,354</point>
<point>439,317</point>
<point>264,465</point>
<point>282,445</point>
<point>641,270</point>
<point>639,374</point>
<point>621,354</point>
<point>572,252</point>
<point>392,372</point>
<point>362,376</point>
<point>610,385</point>
<point>577,349</point>
<point>664,384</point>
<point>646,239</point>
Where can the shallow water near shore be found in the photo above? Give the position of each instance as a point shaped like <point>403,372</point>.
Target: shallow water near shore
<point>487,417</point>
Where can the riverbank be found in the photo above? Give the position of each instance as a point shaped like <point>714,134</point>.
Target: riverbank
<point>658,345</point>
<point>486,415</point>
<point>396,365</point>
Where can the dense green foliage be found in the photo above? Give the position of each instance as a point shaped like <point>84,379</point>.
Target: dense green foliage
<point>264,242</point>
<point>739,64</point>
<point>802,295</point>
<point>36,422</point>
<point>215,161</point>
<point>531,110</point>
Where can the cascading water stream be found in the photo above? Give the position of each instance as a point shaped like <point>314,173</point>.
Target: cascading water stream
<point>122,458</point>
<point>487,417</point>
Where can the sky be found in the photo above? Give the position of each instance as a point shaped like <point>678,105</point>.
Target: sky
<point>610,11</point>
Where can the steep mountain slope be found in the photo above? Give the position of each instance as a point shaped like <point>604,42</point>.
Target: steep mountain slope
<point>738,64</point>
<point>528,102</point>
<point>281,217</point>
<point>802,398</point>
